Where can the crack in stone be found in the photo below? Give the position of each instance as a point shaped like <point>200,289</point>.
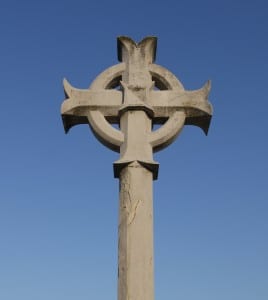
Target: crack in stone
<point>134,213</point>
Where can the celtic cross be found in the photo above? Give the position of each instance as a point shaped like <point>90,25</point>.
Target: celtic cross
<point>136,94</point>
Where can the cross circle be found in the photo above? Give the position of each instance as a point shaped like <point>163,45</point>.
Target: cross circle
<point>113,138</point>
<point>136,94</point>
<point>136,84</point>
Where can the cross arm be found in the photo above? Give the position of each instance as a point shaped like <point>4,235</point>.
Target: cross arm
<point>79,102</point>
<point>194,104</point>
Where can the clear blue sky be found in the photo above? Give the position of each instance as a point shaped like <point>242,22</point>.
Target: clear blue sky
<point>58,197</point>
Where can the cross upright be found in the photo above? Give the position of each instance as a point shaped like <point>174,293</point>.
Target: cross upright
<point>136,94</point>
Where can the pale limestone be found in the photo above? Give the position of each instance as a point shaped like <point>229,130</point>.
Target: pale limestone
<point>136,94</point>
<point>135,245</point>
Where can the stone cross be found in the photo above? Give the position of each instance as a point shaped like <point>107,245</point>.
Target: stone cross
<point>136,94</point>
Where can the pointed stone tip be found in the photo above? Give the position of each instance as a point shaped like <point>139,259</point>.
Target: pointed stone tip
<point>65,124</point>
<point>207,86</point>
<point>67,88</point>
<point>206,124</point>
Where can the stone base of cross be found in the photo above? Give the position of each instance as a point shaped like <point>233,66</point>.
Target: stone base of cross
<point>136,94</point>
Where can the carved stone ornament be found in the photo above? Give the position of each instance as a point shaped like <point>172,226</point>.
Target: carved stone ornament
<point>136,84</point>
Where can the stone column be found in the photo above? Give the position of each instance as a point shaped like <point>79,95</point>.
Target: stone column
<point>135,246</point>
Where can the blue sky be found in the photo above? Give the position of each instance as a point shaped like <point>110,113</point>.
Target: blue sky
<point>58,197</point>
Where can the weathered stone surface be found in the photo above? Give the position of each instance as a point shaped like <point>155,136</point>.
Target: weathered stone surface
<point>135,245</point>
<point>141,86</point>
<point>136,94</point>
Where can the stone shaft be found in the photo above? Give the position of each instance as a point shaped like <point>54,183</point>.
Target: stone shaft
<point>135,245</point>
<point>136,126</point>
